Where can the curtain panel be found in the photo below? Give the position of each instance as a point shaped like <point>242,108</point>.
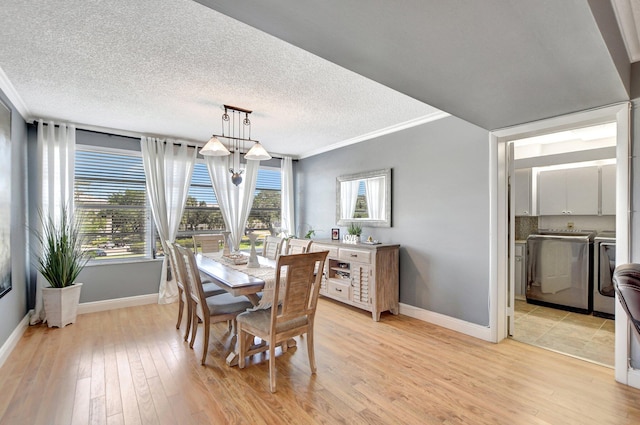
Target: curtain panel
<point>287,224</point>
<point>168,167</point>
<point>234,201</point>
<point>56,168</point>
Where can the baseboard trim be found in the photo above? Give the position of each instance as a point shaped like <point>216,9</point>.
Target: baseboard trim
<point>96,306</point>
<point>13,339</point>
<point>467,328</point>
<point>633,377</point>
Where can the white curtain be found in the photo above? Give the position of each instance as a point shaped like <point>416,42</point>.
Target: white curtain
<point>374,188</point>
<point>56,165</point>
<point>348,197</point>
<point>287,218</point>
<point>168,166</point>
<point>235,201</point>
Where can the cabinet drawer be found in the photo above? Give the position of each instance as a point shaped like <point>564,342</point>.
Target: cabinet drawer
<point>333,250</point>
<point>349,254</point>
<point>338,289</point>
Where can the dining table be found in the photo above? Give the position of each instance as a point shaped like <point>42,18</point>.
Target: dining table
<point>242,280</point>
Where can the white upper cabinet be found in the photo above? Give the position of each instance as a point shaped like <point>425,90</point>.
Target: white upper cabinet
<point>608,189</point>
<point>569,191</point>
<point>521,191</point>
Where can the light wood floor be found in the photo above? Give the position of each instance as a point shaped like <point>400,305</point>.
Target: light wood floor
<point>130,366</point>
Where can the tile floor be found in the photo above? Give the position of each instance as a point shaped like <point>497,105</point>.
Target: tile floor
<point>579,335</point>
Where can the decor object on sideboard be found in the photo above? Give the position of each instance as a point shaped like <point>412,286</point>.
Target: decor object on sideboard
<point>354,230</point>
<point>236,137</point>
<point>60,261</point>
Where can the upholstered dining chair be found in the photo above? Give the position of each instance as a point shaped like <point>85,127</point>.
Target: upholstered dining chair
<point>295,299</point>
<point>626,281</point>
<point>209,289</point>
<point>272,247</point>
<point>210,310</point>
<point>297,246</point>
<point>207,243</point>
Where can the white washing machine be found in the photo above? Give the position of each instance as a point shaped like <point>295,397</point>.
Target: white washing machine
<point>604,263</point>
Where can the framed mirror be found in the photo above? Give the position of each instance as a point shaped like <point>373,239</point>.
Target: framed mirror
<point>364,198</point>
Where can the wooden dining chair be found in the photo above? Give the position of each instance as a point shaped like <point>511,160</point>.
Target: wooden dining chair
<point>207,243</point>
<point>272,247</point>
<point>297,246</point>
<point>218,308</point>
<point>209,289</point>
<point>295,312</point>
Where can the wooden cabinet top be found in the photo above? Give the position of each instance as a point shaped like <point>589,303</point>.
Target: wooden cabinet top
<point>355,245</point>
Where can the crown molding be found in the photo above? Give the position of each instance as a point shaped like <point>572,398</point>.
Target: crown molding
<point>381,132</point>
<point>12,94</point>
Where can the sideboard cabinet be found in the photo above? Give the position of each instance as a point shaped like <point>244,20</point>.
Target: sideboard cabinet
<point>362,275</point>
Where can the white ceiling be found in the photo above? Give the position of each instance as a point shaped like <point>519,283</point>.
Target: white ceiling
<point>165,67</point>
<point>493,63</point>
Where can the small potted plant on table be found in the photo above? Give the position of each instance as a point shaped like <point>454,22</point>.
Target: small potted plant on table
<point>60,261</point>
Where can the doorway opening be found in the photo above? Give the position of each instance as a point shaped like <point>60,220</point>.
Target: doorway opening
<point>564,203</point>
<point>503,307</point>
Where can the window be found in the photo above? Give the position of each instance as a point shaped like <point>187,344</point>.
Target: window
<point>111,204</point>
<point>202,214</point>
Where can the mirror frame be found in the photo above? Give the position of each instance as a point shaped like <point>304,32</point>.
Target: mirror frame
<point>365,222</point>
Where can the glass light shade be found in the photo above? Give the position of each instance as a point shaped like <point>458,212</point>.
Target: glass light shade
<point>258,153</point>
<point>214,147</point>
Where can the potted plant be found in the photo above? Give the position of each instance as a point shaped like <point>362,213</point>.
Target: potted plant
<point>355,229</point>
<point>60,261</point>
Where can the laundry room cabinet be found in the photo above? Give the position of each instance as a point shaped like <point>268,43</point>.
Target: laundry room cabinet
<point>520,270</point>
<point>521,189</point>
<point>572,191</point>
<point>608,189</point>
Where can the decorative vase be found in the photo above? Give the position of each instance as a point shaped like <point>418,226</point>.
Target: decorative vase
<point>61,305</point>
<point>227,243</point>
<point>253,256</point>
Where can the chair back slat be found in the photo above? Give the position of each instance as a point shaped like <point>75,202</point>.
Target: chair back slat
<point>298,246</point>
<point>174,266</point>
<point>192,277</point>
<point>272,247</point>
<point>302,285</point>
<point>207,243</point>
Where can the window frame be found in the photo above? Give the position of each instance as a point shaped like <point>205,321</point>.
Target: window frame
<point>149,237</point>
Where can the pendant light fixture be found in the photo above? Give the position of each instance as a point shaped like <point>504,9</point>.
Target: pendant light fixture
<point>236,137</point>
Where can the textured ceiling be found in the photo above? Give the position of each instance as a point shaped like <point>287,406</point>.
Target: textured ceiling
<point>165,67</point>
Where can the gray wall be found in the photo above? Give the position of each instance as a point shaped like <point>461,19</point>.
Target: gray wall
<point>440,211</point>
<point>13,306</point>
<point>110,281</point>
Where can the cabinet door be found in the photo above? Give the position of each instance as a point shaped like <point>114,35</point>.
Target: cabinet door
<point>552,192</point>
<point>521,191</point>
<point>360,283</point>
<point>517,276</point>
<point>582,190</point>
<point>608,189</point>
